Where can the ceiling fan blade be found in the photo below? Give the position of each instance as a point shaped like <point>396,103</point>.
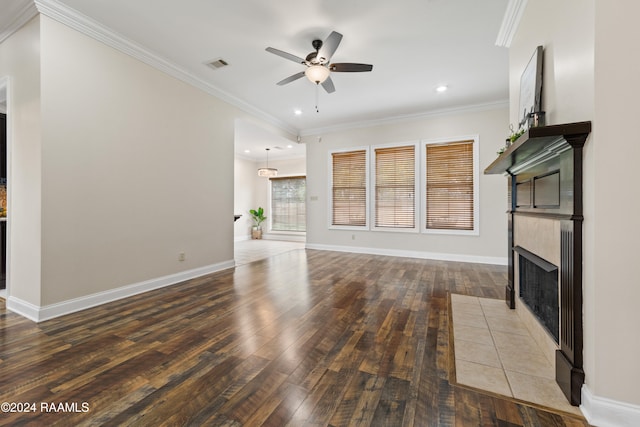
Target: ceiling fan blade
<point>328,85</point>
<point>329,46</point>
<point>290,79</point>
<point>347,67</point>
<point>285,55</point>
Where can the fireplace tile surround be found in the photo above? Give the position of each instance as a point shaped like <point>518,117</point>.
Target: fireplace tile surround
<point>545,216</point>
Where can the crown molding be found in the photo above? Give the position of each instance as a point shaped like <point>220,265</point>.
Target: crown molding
<point>406,118</point>
<point>87,26</point>
<point>61,13</point>
<point>510,22</point>
<point>22,14</point>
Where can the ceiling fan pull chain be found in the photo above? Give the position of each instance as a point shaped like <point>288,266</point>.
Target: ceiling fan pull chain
<point>317,96</point>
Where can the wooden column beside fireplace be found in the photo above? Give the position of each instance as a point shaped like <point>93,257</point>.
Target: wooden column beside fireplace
<point>544,173</point>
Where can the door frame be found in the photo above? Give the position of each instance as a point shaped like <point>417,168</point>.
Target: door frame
<point>5,83</point>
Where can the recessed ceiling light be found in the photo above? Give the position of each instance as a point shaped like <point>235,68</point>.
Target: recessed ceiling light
<point>442,88</point>
<point>297,112</point>
<point>289,146</point>
<point>247,151</point>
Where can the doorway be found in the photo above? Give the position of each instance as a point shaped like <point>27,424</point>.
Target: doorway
<point>253,144</point>
<point>4,135</point>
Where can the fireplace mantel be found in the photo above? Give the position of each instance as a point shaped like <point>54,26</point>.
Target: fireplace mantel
<point>539,142</point>
<point>544,171</point>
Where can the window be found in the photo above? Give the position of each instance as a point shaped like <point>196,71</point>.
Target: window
<point>429,187</point>
<point>395,187</point>
<point>450,186</point>
<point>349,188</point>
<point>288,208</point>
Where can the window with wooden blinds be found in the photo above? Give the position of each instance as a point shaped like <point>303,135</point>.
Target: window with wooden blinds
<point>349,188</point>
<point>288,207</point>
<point>450,186</point>
<point>395,187</point>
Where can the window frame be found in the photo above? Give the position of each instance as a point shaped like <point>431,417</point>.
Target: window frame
<point>372,187</point>
<point>476,185</point>
<point>367,150</point>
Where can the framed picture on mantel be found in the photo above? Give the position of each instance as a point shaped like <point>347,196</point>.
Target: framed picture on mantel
<point>531,88</point>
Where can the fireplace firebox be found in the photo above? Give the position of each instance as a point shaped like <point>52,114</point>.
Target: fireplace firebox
<point>538,280</point>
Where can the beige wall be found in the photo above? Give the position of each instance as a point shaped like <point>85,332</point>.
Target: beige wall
<point>492,128</point>
<point>565,30</point>
<point>20,62</point>
<point>615,348</point>
<point>245,196</point>
<point>117,168</point>
<point>133,162</point>
<point>588,75</point>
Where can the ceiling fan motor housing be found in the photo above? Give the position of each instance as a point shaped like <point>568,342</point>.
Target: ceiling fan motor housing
<point>312,58</point>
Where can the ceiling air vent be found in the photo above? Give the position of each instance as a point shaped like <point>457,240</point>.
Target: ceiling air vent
<point>217,63</point>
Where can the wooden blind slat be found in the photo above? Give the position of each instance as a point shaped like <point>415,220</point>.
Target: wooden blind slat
<point>449,190</point>
<point>349,192</point>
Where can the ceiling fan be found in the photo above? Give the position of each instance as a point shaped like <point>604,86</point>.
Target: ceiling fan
<point>318,67</point>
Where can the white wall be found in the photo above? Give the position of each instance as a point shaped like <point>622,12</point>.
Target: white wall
<point>20,64</point>
<point>589,74</point>
<point>489,246</point>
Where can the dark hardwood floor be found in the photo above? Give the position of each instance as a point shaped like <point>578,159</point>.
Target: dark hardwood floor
<point>301,338</point>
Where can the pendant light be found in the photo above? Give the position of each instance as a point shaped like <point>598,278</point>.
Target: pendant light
<point>267,172</point>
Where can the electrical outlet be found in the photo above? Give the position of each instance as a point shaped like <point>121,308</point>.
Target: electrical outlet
<point>181,256</point>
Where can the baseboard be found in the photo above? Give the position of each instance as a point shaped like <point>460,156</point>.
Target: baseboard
<point>275,236</point>
<point>23,308</point>
<point>39,314</point>
<point>603,412</point>
<point>411,254</point>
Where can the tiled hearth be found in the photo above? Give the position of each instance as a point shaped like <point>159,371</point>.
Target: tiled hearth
<point>494,351</point>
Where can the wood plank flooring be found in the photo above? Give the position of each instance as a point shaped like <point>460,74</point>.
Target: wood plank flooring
<point>302,338</point>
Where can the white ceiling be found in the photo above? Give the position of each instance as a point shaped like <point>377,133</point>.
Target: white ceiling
<point>414,46</point>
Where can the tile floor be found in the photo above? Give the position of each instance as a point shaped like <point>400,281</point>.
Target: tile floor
<point>494,351</point>
<point>246,251</point>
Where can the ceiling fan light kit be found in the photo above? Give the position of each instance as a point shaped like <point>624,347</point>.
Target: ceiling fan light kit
<point>317,73</point>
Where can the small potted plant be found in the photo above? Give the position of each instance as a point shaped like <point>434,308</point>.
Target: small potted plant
<point>258,218</point>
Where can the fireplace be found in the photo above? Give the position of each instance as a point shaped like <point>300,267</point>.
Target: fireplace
<point>545,216</point>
